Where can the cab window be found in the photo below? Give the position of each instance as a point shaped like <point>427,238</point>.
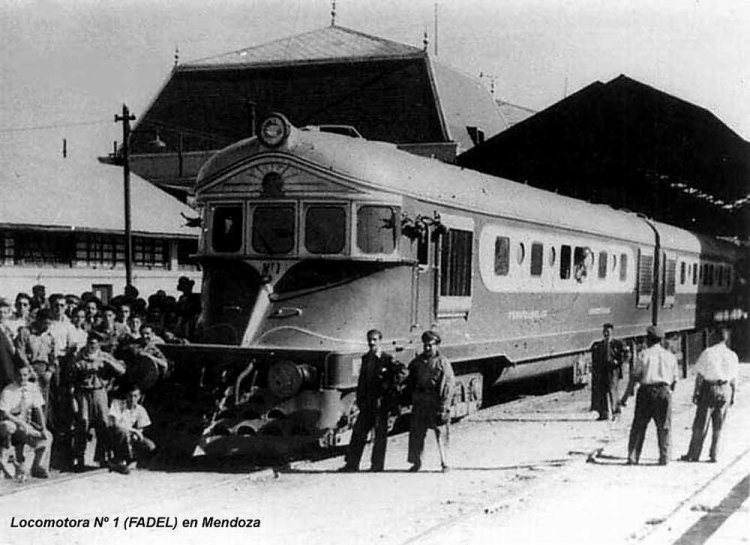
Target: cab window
<point>273,229</point>
<point>376,229</point>
<point>325,229</point>
<point>226,228</point>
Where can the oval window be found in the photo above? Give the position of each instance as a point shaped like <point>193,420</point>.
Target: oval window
<point>520,253</point>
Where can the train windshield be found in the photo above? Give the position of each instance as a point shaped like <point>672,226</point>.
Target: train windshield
<point>313,275</point>
<point>325,229</point>
<point>376,229</point>
<point>273,229</point>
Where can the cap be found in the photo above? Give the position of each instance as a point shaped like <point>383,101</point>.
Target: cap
<point>654,331</point>
<point>431,335</point>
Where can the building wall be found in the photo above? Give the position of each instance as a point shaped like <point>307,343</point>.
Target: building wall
<point>75,262</point>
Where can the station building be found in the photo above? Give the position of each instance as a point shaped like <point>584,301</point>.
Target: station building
<point>631,146</point>
<point>62,226</point>
<point>335,77</point>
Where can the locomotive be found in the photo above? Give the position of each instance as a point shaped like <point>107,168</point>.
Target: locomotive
<point>310,238</point>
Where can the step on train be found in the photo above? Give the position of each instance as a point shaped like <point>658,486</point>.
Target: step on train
<point>309,239</point>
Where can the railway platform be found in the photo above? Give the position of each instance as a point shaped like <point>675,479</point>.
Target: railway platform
<point>538,470</point>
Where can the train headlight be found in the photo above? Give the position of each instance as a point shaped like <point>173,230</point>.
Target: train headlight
<point>274,130</point>
<point>286,378</point>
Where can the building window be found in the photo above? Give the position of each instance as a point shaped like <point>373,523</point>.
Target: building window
<point>564,261</point>
<point>376,229</point>
<point>455,263</point>
<point>537,258</point>
<point>227,229</point>
<point>502,256</point>
<point>186,250</point>
<point>150,253</point>
<point>602,265</point>
<point>325,229</point>
<point>43,248</point>
<point>100,251</point>
<point>273,229</point>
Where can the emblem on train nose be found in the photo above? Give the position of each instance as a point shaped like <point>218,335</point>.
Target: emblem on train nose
<point>273,185</point>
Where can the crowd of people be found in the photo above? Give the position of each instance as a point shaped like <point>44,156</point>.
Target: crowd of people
<point>71,365</point>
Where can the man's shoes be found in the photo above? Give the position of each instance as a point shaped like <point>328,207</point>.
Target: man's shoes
<point>603,417</point>
<point>376,469</point>
<point>79,466</point>
<point>712,460</point>
<point>39,473</point>
<point>663,461</point>
<point>687,458</point>
<point>415,467</point>
<point>119,467</point>
<point>347,469</point>
<point>632,462</point>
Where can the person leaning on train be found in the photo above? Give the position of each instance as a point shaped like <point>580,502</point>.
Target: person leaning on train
<point>716,371</point>
<point>430,382</point>
<point>380,377</point>
<point>655,374</point>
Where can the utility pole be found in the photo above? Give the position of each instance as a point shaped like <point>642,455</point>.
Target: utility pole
<point>126,118</point>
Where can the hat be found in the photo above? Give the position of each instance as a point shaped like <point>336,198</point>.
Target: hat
<point>431,335</point>
<point>655,332</point>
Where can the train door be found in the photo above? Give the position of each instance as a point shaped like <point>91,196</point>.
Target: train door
<point>423,292</point>
<point>455,267</point>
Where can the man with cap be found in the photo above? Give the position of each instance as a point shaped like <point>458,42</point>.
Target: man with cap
<point>715,384</point>
<point>655,371</point>
<point>607,357</point>
<point>430,381</point>
<point>379,378</point>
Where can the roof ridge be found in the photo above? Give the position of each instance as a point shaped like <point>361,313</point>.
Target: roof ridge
<point>289,39</point>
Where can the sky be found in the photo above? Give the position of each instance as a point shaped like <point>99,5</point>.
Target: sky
<point>67,66</point>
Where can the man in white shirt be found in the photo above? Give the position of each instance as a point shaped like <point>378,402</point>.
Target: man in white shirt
<point>715,385</point>
<point>655,371</point>
<point>22,421</point>
<point>128,418</point>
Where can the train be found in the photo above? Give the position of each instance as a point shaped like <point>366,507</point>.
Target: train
<point>311,238</point>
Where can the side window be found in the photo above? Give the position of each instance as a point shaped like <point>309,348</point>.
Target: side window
<point>695,274</point>
<point>376,229</point>
<point>602,265</point>
<point>325,229</point>
<point>670,281</point>
<point>455,263</point>
<point>423,248</point>
<point>582,261</point>
<point>564,261</point>
<point>623,267</point>
<point>502,256</point>
<point>682,272</point>
<point>226,228</point>
<point>537,258</point>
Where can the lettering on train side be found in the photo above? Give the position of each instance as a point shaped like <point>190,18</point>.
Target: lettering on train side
<point>527,314</point>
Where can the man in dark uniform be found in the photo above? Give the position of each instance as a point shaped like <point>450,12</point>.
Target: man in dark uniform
<point>379,378</point>
<point>431,382</point>
<point>607,358</point>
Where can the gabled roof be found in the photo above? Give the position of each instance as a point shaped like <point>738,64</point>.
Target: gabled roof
<point>330,44</point>
<point>630,145</point>
<point>387,90</point>
<point>56,193</point>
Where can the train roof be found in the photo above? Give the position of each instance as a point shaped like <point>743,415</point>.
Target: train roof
<point>380,166</point>
<point>674,238</point>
